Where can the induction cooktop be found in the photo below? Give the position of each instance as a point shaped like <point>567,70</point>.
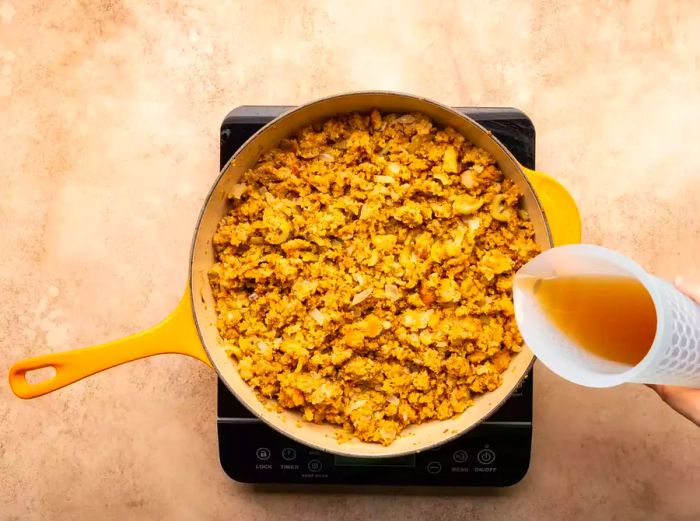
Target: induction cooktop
<point>496,453</point>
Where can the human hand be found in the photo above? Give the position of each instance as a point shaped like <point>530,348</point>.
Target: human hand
<point>683,399</point>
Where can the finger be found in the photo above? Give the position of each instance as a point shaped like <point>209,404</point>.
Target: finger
<point>690,288</point>
<point>661,390</point>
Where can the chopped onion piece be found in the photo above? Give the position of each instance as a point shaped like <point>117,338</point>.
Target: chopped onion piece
<point>361,296</point>
<point>394,168</point>
<point>318,316</point>
<point>392,292</point>
<point>468,180</point>
<point>356,405</point>
<point>264,347</point>
<point>237,190</point>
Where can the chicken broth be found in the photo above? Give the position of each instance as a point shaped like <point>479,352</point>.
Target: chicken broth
<point>612,317</point>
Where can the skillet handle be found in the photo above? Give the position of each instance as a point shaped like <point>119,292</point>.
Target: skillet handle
<point>559,207</point>
<point>176,334</point>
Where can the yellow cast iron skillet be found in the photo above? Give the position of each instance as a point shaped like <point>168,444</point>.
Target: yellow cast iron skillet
<point>191,327</point>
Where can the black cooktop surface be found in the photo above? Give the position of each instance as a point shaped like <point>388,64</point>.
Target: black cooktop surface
<point>495,453</point>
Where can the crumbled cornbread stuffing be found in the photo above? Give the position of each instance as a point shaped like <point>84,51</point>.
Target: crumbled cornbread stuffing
<point>364,273</point>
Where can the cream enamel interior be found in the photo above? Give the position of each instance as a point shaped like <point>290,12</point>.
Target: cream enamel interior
<point>416,437</point>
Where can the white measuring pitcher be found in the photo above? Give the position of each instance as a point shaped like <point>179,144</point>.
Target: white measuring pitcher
<point>674,356</point>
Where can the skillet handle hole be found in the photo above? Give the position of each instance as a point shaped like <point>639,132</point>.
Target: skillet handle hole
<point>42,374</point>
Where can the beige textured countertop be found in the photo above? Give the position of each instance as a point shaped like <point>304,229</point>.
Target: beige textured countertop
<point>110,113</point>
